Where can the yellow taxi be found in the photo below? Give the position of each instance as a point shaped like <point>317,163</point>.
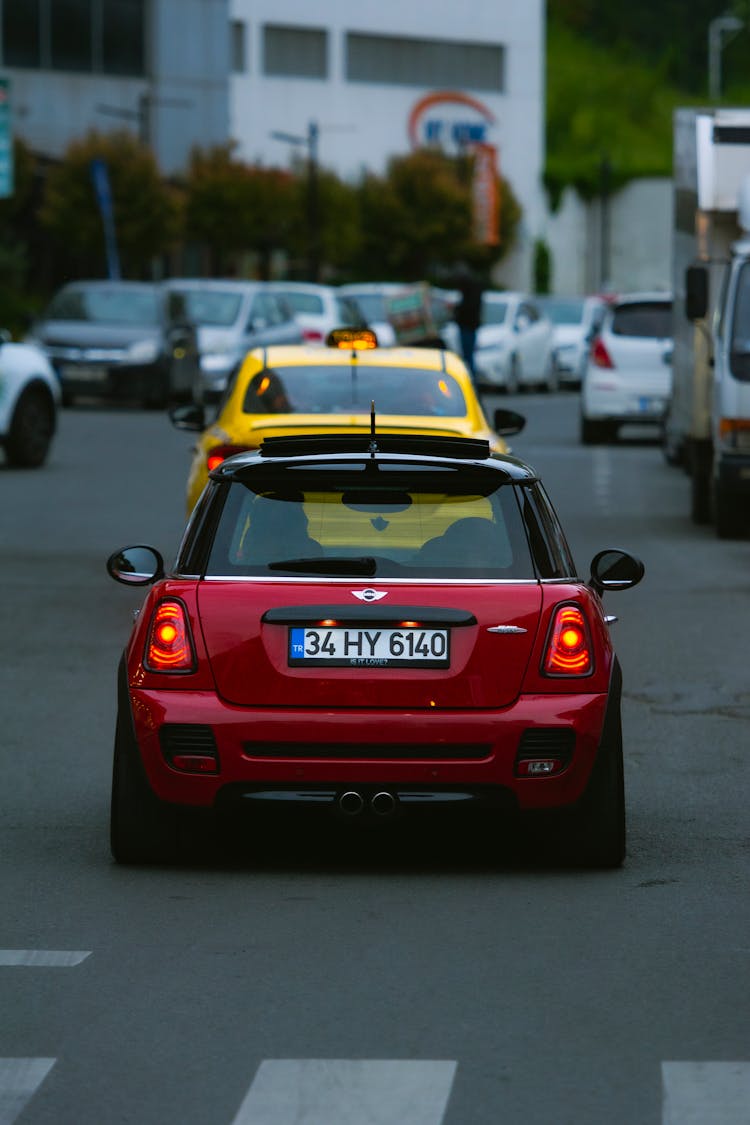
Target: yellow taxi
<point>298,389</point>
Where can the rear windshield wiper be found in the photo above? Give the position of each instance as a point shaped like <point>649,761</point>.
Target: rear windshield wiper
<point>364,565</point>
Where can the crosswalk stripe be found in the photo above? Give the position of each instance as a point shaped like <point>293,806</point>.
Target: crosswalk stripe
<point>699,1093</point>
<point>19,1081</point>
<point>45,958</point>
<point>347,1092</point>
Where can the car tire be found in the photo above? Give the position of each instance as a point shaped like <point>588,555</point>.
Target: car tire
<point>595,432</point>
<point>729,514</point>
<point>598,831</point>
<point>514,375</point>
<point>31,429</point>
<point>700,493</point>
<point>143,829</point>
<point>552,376</point>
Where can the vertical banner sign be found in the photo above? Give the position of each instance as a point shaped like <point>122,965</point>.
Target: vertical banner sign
<point>484,194</point>
<point>100,176</point>
<point>6,141</point>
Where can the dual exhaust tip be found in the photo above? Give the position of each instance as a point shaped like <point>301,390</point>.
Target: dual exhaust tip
<point>382,804</point>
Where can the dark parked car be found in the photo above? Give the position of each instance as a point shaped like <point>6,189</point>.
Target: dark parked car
<point>118,340</point>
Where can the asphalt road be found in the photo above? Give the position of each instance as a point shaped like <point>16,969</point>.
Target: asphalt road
<point>350,982</point>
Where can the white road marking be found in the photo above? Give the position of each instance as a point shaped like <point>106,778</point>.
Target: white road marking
<point>19,1081</point>
<point>347,1092</point>
<point>705,1093</point>
<point>46,958</point>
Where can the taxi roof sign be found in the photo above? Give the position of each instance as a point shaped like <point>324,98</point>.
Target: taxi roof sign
<point>358,339</point>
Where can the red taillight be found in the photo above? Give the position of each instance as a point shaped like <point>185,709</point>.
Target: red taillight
<point>170,647</point>
<point>310,336</point>
<point>569,645</point>
<point>220,453</point>
<point>600,357</point>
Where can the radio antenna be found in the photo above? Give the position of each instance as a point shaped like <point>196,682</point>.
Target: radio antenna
<point>373,449</point>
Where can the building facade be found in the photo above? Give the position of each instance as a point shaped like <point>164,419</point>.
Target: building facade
<point>156,67</point>
<point>364,82</point>
<point>361,83</point>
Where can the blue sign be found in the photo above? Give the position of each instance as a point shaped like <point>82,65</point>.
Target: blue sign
<point>100,176</point>
<point>6,141</point>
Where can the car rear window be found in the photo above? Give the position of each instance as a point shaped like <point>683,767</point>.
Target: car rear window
<point>105,305</point>
<point>369,523</point>
<point>301,302</point>
<point>319,389</point>
<point>651,319</point>
<point>219,309</point>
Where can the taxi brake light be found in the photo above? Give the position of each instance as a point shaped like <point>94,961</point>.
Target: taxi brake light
<point>569,651</point>
<point>220,453</point>
<point>169,647</point>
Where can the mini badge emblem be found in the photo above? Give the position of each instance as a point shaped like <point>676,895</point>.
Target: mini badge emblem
<point>369,595</point>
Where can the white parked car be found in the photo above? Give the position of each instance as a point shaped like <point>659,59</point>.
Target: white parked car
<point>30,397</point>
<point>515,344</point>
<point>629,375</point>
<point>575,321</point>
<point>318,309</point>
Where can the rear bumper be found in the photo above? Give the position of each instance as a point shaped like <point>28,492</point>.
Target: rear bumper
<point>114,381</point>
<point>305,752</point>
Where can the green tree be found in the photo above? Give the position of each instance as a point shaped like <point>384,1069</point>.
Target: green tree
<point>18,241</point>
<point>146,208</point>
<point>233,208</point>
<point>417,219</point>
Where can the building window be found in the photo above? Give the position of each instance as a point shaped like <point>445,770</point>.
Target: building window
<point>70,39</point>
<point>295,52</point>
<point>238,46</point>
<point>122,25</point>
<point>399,61</point>
<point>21,33</point>
<point>86,36</point>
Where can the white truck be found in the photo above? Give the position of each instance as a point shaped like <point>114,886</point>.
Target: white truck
<point>707,428</point>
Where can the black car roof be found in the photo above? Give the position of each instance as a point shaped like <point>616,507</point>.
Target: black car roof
<point>345,448</point>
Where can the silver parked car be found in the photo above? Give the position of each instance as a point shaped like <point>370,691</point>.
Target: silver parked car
<point>231,317</point>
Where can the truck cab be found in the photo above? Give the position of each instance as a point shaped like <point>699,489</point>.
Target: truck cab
<point>707,428</point>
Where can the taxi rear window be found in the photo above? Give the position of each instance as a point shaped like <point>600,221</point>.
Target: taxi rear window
<point>317,389</point>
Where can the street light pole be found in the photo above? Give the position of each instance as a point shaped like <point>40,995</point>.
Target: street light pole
<point>717,28</point>
<point>310,142</point>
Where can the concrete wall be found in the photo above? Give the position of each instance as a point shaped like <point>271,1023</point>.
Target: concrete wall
<point>623,247</point>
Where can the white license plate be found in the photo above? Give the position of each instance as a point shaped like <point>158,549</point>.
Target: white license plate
<point>84,373</point>
<point>650,404</point>
<point>369,648</point>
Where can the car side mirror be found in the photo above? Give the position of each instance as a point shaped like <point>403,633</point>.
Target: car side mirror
<point>136,566</point>
<point>191,417</point>
<point>696,292</point>
<point>613,569</point>
<point>506,423</point>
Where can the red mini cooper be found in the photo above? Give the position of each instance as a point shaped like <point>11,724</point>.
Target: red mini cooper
<point>371,625</point>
